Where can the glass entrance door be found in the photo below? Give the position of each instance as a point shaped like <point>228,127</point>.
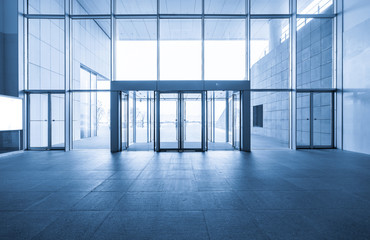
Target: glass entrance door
<point>191,117</point>
<point>46,121</point>
<point>180,121</point>
<point>169,124</point>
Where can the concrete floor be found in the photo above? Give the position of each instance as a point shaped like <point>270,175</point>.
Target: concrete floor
<point>282,194</point>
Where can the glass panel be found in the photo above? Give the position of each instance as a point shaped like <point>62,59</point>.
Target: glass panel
<point>46,54</point>
<point>87,7</point>
<point>169,121</point>
<point>225,49</point>
<point>270,61</point>
<point>38,120</point>
<point>315,6</point>
<point>315,53</point>
<point>136,6</point>
<point>91,50</point>
<point>94,107</point>
<point>192,121</point>
<point>219,124</point>
<point>220,119</point>
<point>85,126</point>
<point>141,121</point>
<point>269,6</point>
<point>224,7</point>
<point>273,133</point>
<point>236,121</point>
<point>322,119</point>
<point>303,119</point>
<point>210,118</point>
<point>136,49</point>
<point>132,110</point>
<point>142,126</point>
<point>124,119</point>
<point>57,120</point>
<point>181,6</point>
<point>180,49</point>
<point>231,117</point>
<point>46,6</point>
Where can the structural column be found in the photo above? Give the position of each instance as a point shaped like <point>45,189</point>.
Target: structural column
<point>115,121</point>
<point>245,98</point>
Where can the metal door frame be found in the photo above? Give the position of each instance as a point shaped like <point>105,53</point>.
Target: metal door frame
<point>49,120</point>
<point>180,116</point>
<point>311,119</point>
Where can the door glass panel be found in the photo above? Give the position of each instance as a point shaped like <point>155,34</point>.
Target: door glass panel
<point>322,119</point>
<point>236,120</point>
<point>303,119</point>
<point>57,121</point>
<point>209,117</point>
<point>38,120</point>
<point>192,120</point>
<point>124,119</point>
<point>169,121</point>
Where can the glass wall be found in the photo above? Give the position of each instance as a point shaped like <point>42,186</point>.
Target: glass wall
<point>46,54</point>
<point>270,58</point>
<point>141,120</point>
<point>220,123</point>
<point>136,49</point>
<point>225,49</point>
<point>270,122</point>
<point>180,49</point>
<point>210,40</point>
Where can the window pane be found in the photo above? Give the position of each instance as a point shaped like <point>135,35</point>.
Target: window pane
<point>91,120</point>
<point>315,6</point>
<point>181,6</point>
<point>270,53</point>
<point>224,7</point>
<point>322,119</point>
<point>274,133</point>
<point>46,6</point>
<point>180,50</point>
<point>46,54</point>
<point>225,49</point>
<point>85,7</point>
<point>136,6</point>
<point>269,6</point>
<point>136,49</point>
<point>91,51</point>
<point>38,120</point>
<point>315,53</point>
<point>303,119</point>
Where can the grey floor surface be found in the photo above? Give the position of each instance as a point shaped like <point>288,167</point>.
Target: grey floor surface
<point>93,194</point>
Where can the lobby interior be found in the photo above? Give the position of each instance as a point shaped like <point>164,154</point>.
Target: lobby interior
<point>184,119</point>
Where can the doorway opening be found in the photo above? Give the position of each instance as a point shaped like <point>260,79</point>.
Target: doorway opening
<point>180,121</point>
<point>46,122</point>
<point>223,120</point>
<point>315,119</point>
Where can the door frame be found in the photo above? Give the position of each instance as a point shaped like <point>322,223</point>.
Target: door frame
<point>49,120</point>
<point>311,119</point>
<point>180,116</point>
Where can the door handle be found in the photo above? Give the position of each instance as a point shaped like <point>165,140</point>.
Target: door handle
<point>307,119</point>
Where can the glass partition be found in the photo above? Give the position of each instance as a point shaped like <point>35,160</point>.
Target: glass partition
<point>180,49</point>
<point>270,58</point>
<point>136,49</point>
<point>180,6</point>
<point>225,49</point>
<point>136,7</point>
